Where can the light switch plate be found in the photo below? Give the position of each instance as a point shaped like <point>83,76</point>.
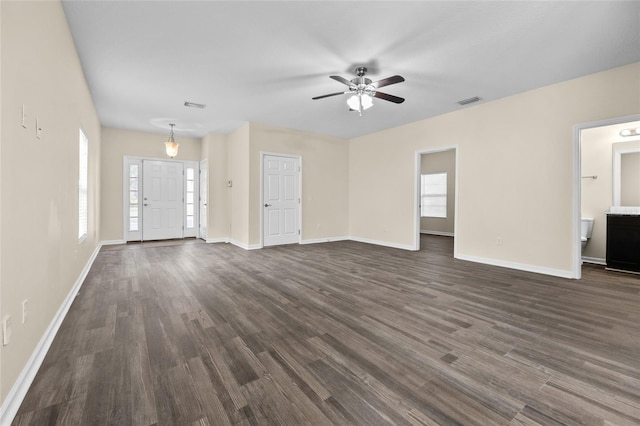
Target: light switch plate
<point>24,116</point>
<point>6,330</point>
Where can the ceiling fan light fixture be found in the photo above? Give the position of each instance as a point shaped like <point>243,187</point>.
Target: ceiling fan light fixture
<point>171,146</point>
<point>360,102</point>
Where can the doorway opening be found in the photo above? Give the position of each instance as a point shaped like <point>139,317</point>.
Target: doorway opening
<point>436,207</point>
<point>160,199</point>
<point>595,188</point>
<point>281,199</point>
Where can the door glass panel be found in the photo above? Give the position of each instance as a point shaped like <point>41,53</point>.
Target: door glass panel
<point>190,197</point>
<point>134,205</point>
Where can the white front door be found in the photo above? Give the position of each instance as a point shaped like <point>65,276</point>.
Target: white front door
<point>203,198</point>
<point>162,203</point>
<point>281,199</point>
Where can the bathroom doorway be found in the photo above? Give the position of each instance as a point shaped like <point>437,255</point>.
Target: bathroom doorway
<point>436,180</point>
<point>595,146</point>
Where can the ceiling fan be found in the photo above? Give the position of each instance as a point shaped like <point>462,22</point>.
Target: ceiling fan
<point>363,90</point>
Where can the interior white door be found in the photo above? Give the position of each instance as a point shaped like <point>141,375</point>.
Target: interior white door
<point>204,173</point>
<point>281,197</point>
<point>162,200</point>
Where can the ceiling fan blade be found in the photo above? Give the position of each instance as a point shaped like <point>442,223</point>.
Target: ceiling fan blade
<point>342,80</point>
<point>390,98</point>
<point>387,81</point>
<point>330,94</point>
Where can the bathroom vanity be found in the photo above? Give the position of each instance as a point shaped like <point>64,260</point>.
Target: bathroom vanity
<point>623,242</point>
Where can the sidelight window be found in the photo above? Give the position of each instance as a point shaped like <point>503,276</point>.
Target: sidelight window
<point>83,186</point>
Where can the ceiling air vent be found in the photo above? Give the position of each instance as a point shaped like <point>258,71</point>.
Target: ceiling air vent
<point>469,101</point>
<point>193,105</point>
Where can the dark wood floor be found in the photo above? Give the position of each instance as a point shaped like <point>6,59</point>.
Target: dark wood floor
<point>338,333</point>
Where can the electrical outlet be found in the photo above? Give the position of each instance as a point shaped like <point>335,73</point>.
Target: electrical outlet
<point>24,311</point>
<point>499,241</point>
<point>6,330</point>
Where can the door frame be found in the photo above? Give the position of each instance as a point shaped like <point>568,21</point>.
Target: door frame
<point>203,165</point>
<point>416,192</point>
<point>126,159</point>
<point>277,154</point>
<point>577,184</point>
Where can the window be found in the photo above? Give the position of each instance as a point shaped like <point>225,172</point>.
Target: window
<point>134,205</point>
<point>189,198</point>
<point>83,185</point>
<point>433,195</point>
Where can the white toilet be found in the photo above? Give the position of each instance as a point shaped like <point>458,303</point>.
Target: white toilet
<point>586,228</point>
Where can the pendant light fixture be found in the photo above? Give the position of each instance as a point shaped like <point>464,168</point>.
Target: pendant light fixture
<point>171,145</point>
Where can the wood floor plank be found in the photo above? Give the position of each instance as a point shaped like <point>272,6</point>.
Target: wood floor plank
<point>344,333</point>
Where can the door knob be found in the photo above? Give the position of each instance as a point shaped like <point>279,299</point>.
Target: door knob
<point>267,205</point>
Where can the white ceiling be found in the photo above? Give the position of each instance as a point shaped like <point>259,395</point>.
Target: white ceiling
<point>263,61</point>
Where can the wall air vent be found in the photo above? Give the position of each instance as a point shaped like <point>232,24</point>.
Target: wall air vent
<point>469,101</point>
<point>193,105</point>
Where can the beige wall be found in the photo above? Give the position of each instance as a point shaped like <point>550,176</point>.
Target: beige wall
<point>325,177</point>
<point>116,144</point>
<point>514,172</point>
<point>41,255</point>
<point>238,149</point>
<point>596,198</point>
<point>214,150</point>
<point>441,162</point>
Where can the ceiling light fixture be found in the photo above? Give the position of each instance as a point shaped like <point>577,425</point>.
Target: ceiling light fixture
<point>360,102</point>
<point>171,145</point>
<point>363,90</point>
<point>630,132</point>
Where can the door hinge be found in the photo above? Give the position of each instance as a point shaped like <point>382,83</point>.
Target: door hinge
<point>298,232</point>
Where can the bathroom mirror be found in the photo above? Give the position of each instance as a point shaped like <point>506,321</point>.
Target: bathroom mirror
<point>626,174</point>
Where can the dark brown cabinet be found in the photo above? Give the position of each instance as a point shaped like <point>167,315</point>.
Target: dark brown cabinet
<point>623,242</point>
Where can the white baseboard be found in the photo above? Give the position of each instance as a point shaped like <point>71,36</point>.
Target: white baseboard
<point>382,243</point>
<point>595,260</point>
<point>112,242</point>
<point>562,273</point>
<point>245,246</point>
<point>323,240</point>
<point>19,390</point>
<point>443,234</point>
<point>216,240</point>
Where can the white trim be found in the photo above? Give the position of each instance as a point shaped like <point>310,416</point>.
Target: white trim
<point>204,165</point>
<point>577,185</point>
<point>245,246</point>
<point>216,240</point>
<point>562,273</point>
<point>324,240</point>
<point>444,234</point>
<point>383,243</point>
<point>594,260</point>
<point>19,390</point>
<point>617,165</point>
<point>416,191</point>
<point>112,242</point>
